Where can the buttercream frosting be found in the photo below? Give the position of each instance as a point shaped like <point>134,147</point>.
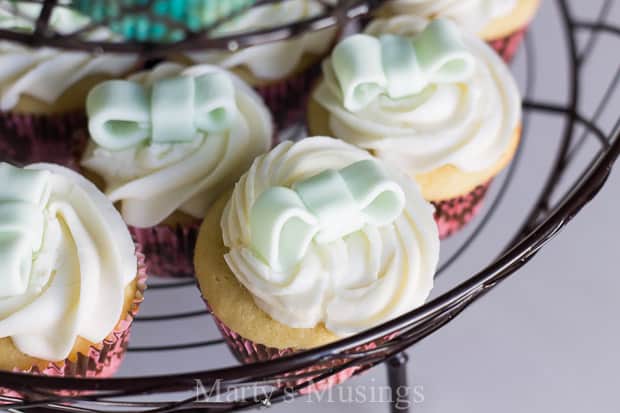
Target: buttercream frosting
<point>472,15</point>
<point>211,126</point>
<point>66,258</point>
<point>46,73</point>
<point>371,251</point>
<point>272,60</point>
<point>445,97</point>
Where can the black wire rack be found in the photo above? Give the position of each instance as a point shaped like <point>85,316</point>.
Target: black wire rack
<point>588,144</point>
<point>44,33</point>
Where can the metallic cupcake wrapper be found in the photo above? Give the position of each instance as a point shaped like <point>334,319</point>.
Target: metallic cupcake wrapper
<point>103,359</point>
<point>287,98</point>
<point>508,46</point>
<point>247,352</point>
<point>56,138</point>
<point>169,251</point>
<point>453,214</point>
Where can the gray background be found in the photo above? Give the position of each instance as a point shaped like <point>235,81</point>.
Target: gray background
<point>544,340</point>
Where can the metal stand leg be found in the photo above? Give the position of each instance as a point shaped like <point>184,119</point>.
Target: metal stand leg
<point>397,378</point>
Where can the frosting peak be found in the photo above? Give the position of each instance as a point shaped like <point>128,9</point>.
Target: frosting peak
<point>65,260</point>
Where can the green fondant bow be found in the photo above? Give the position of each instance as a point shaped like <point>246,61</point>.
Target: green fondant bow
<point>22,196</point>
<point>123,114</point>
<point>366,66</point>
<point>323,208</point>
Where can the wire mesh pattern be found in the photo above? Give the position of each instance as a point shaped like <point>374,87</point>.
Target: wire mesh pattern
<point>574,179</point>
<point>186,38</point>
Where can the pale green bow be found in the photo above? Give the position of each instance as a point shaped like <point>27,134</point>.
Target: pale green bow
<point>22,196</point>
<point>123,114</point>
<point>366,66</point>
<point>323,208</point>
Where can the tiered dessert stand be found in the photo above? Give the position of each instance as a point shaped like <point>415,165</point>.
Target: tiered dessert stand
<point>174,344</point>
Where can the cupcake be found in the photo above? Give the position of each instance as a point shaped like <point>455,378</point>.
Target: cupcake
<point>318,241</point>
<point>502,23</point>
<point>165,144</point>
<point>71,278</point>
<point>43,90</point>
<point>281,71</point>
<point>434,101</point>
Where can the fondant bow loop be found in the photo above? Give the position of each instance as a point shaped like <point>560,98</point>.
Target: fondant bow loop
<point>123,114</point>
<point>366,67</point>
<point>323,208</point>
<point>23,195</point>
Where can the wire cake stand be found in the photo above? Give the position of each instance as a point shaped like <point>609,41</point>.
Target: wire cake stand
<point>176,349</point>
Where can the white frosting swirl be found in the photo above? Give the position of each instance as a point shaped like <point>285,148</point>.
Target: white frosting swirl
<point>277,59</point>
<point>46,73</point>
<point>154,180</point>
<point>473,15</point>
<point>350,284</point>
<point>468,124</point>
<point>78,277</point>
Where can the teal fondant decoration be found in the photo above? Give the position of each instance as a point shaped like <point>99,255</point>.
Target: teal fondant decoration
<point>23,194</point>
<point>323,208</point>
<point>398,66</point>
<point>159,20</point>
<point>123,114</point>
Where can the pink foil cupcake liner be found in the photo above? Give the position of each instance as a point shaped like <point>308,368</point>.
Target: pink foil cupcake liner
<point>247,352</point>
<point>287,98</point>
<point>507,46</point>
<point>55,138</point>
<point>102,360</point>
<point>453,214</point>
<point>169,251</point>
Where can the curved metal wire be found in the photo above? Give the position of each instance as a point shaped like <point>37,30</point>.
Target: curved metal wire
<point>335,14</point>
<point>542,223</point>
